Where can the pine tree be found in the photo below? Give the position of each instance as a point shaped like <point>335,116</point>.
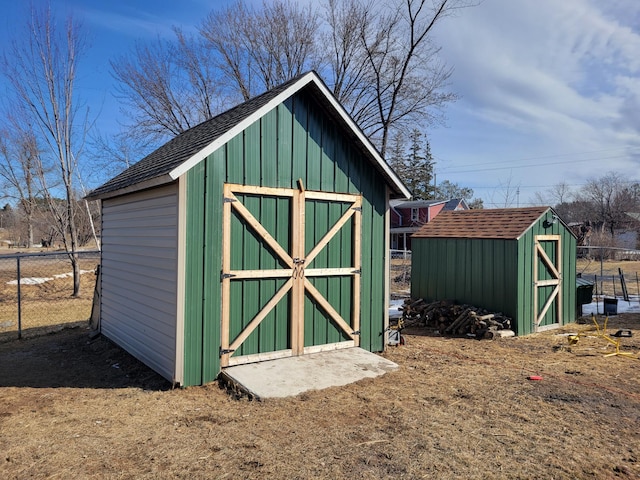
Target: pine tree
<point>419,167</point>
<point>396,156</point>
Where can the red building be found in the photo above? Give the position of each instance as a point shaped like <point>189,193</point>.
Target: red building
<point>407,216</point>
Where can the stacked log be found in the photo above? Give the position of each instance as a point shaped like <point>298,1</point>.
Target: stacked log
<point>449,318</point>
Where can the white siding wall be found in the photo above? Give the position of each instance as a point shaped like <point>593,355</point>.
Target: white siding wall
<point>139,275</point>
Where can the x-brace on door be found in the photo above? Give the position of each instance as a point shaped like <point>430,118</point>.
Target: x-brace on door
<point>273,259</point>
<point>547,273</point>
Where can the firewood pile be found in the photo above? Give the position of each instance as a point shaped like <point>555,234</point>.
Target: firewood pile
<point>449,318</point>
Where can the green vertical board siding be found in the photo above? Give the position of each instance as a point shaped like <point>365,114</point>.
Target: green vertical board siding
<point>202,272</point>
<point>284,160</point>
<point>299,139</point>
<point>293,141</point>
<point>495,274</point>
<point>269,149</point>
<point>319,328</point>
<point>314,151</point>
<point>328,180</point>
<point>194,288</point>
<point>212,266</point>
<point>373,261</point>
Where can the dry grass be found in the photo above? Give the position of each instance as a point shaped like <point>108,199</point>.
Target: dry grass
<point>456,408</point>
<point>48,305</point>
<point>608,275</point>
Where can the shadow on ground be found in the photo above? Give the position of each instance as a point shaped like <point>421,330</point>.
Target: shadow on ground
<point>69,358</point>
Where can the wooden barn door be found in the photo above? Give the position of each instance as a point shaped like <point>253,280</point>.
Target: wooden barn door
<point>275,271</point>
<point>547,271</point>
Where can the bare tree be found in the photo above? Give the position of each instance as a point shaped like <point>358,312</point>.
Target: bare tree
<point>611,196</point>
<point>380,59</point>
<point>398,80</point>
<point>117,152</point>
<point>258,49</point>
<point>555,196</point>
<point>18,160</point>
<point>166,87</point>
<point>507,194</point>
<point>344,52</point>
<point>41,69</point>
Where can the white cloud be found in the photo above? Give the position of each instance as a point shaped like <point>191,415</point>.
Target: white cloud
<point>131,23</point>
<point>560,76</point>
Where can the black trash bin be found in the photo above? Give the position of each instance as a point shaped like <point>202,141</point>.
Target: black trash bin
<point>610,306</point>
<point>584,293</point>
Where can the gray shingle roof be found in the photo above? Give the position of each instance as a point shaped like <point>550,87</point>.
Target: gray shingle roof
<point>453,204</point>
<point>179,154</point>
<point>173,153</point>
<point>400,204</point>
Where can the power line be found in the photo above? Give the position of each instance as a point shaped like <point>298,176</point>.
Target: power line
<point>533,158</point>
<point>512,166</point>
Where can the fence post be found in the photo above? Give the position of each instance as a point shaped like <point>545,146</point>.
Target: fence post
<point>595,280</point>
<point>19,298</point>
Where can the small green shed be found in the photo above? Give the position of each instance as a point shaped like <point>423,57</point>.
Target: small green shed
<point>261,233</point>
<point>518,261</point>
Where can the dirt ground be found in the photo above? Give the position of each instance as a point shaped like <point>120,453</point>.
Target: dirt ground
<point>71,407</point>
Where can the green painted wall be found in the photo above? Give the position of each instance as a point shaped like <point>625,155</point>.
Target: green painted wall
<point>473,271</point>
<point>493,273</point>
<point>295,140</point>
<point>526,314</point>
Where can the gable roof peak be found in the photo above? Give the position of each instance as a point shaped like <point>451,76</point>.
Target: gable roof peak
<point>180,154</point>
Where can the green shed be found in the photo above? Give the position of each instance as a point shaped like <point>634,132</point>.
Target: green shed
<point>518,261</point>
<point>261,233</point>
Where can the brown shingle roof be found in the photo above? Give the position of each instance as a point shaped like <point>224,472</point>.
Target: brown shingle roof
<point>504,223</point>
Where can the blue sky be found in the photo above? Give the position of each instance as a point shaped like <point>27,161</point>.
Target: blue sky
<point>549,90</point>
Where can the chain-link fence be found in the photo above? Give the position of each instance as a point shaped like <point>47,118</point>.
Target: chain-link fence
<point>623,285</point>
<point>400,272</point>
<point>36,292</point>
<point>609,281</point>
<point>602,253</point>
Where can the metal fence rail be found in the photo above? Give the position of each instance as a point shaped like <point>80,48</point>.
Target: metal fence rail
<point>36,292</point>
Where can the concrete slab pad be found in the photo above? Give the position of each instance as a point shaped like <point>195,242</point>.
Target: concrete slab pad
<point>291,376</point>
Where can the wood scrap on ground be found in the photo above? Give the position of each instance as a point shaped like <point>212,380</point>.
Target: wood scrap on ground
<point>449,318</point>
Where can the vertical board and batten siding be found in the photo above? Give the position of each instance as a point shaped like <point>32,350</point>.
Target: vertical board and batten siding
<point>139,279</point>
<point>526,315</point>
<point>294,141</point>
<point>497,274</point>
<point>479,271</point>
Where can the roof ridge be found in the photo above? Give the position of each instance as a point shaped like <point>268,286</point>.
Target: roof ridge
<point>179,154</point>
<point>505,223</point>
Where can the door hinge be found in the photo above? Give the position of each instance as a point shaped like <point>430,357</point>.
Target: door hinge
<point>357,209</point>
<point>229,200</point>
<point>226,275</point>
<point>358,271</point>
<point>224,351</point>
<point>357,332</point>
